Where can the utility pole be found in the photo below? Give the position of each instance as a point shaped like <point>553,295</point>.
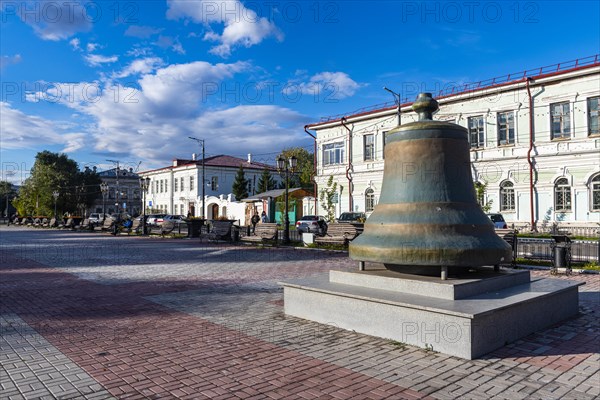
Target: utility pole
<point>201,141</point>
<point>397,101</point>
<point>116,183</point>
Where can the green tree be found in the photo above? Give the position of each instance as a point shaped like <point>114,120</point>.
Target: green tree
<point>304,170</point>
<point>480,189</point>
<point>265,182</point>
<point>240,184</point>
<point>56,172</point>
<point>7,193</point>
<point>326,198</point>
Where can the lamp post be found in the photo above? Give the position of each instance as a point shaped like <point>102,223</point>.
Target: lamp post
<point>55,194</point>
<point>144,185</point>
<point>104,190</point>
<point>398,102</point>
<point>201,141</point>
<point>285,169</point>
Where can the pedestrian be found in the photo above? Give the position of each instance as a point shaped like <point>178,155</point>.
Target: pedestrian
<point>264,218</point>
<point>255,219</point>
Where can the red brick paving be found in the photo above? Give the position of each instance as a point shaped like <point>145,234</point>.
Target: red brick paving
<point>138,349</point>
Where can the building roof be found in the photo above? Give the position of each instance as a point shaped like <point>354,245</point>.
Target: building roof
<point>274,193</point>
<point>123,173</point>
<point>485,85</point>
<point>221,161</point>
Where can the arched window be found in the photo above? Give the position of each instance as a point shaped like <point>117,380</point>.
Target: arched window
<point>562,195</point>
<point>507,196</point>
<point>369,200</point>
<point>595,188</point>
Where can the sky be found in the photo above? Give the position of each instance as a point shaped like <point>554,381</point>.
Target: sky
<point>132,81</point>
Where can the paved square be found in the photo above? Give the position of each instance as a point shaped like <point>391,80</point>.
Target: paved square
<point>93,316</point>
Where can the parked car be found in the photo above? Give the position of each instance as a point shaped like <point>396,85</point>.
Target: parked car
<point>498,221</point>
<point>311,224</point>
<point>155,219</point>
<point>358,217</point>
<point>97,218</point>
<point>176,219</point>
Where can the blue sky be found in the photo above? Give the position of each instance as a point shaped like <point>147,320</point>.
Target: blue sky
<point>132,80</point>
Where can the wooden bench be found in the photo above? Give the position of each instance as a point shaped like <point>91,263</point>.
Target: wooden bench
<point>220,230</point>
<point>51,224</point>
<point>510,236</point>
<point>262,233</point>
<point>337,234</point>
<point>85,225</point>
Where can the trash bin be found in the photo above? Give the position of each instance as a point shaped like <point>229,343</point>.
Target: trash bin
<point>561,251</point>
<point>235,233</point>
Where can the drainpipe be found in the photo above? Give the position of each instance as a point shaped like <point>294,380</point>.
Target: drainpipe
<point>349,167</point>
<point>529,161</point>
<point>313,177</point>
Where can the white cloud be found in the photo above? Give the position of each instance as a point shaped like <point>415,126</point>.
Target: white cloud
<point>91,47</point>
<point>20,130</point>
<point>96,60</point>
<point>242,26</point>
<point>141,66</point>
<point>52,20</point>
<point>75,43</point>
<point>331,85</point>
<point>5,61</point>
<point>166,42</point>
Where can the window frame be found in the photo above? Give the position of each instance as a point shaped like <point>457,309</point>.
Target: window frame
<point>369,148</point>
<point>480,132</point>
<point>565,129</point>
<point>336,148</point>
<point>214,183</point>
<point>508,127</point>
<point>563,200</point>
<point>191,183</point>
<point>370,202</point>
<point>507,190</point>
<point>591,116</point>
<point>595,193</point>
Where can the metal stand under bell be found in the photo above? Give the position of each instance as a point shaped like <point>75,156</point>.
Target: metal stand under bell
<point>444,274</point>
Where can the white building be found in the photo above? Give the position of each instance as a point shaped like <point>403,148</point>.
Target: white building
<point>177,189</point>
<point>555,108</point>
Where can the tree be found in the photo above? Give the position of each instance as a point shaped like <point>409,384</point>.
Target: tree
<point>240,185</point>
<point>56,172</point>
<point>480,189</point>
<point>266,182</point>
<point>326,198</point>
<point>7,193</point>
<point>305,168</point>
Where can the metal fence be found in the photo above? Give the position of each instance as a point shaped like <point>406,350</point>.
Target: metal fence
<point>541,249</point>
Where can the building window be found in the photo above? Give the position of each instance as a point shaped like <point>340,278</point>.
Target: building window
<point>161,185</point>
<point>335,198</point>
<point>176,185</point>
<point>369,147</point>
<point>507,196</point>
<point>506,128</point>
<point>250,186</point>
<point>476,139</point>
<point>191,183</point>
<point>562,195</point>
<point>214,183</point>
<point>152,187</point>
<point>560,115</point>
<point>124,193</point>
<point>593,113</point>
<point>175,209</point>
<point>333,153</point>
<point>111,193</point>
<point>136,194</point>
<point>369,200</point>
<point>595,188</point>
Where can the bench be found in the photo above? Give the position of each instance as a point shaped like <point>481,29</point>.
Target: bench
<point>262,233</point>
<point>338,234</point>
<point>106,226</point>
<point>510,236</point>
<point>220,230</point>
<point>85,225</point>
<point>70,224</point>
<point>51,224</point>
<point>135,227</point>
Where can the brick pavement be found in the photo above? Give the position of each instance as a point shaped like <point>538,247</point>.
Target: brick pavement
<point>148,318</point>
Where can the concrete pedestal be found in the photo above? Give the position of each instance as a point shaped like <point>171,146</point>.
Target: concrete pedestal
<point>465,316</point>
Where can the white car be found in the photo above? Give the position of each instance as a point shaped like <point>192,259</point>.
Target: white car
<point>97,218</point>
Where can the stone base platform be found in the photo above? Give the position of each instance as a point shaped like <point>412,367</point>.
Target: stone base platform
<point>466,316</point>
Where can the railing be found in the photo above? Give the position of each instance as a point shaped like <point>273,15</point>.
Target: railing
<point>541,249</point>
<point>487,83</point>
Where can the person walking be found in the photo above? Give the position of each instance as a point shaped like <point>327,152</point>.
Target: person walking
<point>255,219</point>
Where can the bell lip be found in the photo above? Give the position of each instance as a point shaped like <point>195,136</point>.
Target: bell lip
<point>427,124</point>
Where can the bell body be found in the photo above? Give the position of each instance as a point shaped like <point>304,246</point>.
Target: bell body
<point>427,214</point>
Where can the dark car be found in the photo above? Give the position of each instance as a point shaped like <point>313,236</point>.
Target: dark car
<point>311,224</point>
<point>358,217</point>
<point>498,221</point>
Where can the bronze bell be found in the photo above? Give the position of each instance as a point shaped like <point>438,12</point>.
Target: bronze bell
<point>427,213</point>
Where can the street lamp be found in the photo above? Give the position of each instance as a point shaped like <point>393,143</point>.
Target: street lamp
<point>55,194</point>
<point>144,185</point>
<point>286,169</point>
<point>201,141</point>
<point>398,102</point>
<point>104,190</point>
